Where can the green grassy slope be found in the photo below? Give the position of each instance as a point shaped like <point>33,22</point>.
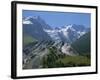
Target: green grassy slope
<point>74,61</point>
<point>82,45</point>
<point>27,39</point>
<point>54,60</point>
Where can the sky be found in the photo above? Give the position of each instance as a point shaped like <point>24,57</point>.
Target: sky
<point>58,19</point>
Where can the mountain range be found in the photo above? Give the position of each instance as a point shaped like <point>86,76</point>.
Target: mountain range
<point>40,39</point>
<point>37,28</point>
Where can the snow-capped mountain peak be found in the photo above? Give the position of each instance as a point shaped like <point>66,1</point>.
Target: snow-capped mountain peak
<point>30,19</point>
<point>27,20</point>
<point>67,33</point>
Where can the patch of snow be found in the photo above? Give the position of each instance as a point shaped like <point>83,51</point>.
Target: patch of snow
<point>27,22</point>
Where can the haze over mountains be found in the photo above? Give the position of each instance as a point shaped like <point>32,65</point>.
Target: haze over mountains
<point>40,39</point>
